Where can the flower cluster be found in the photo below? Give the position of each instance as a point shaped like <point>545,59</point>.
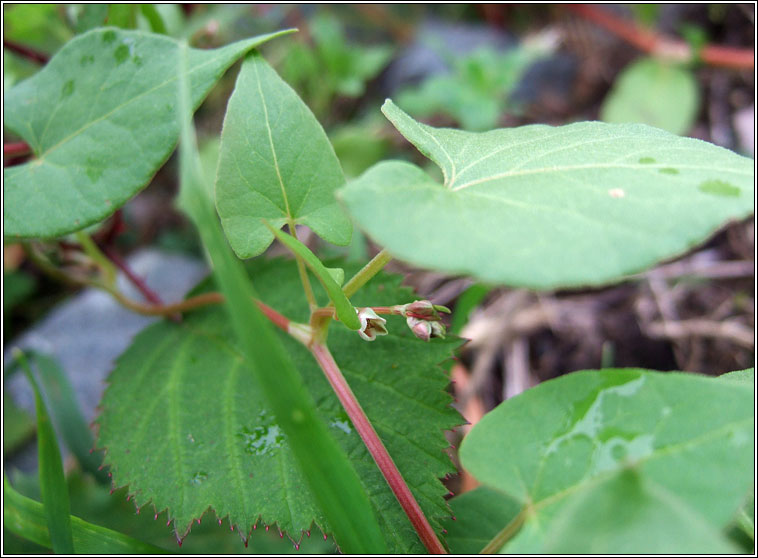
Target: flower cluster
<point>424,319</point>
<point>421,316</point>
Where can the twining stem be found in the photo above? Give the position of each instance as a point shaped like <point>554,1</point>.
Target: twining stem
<point>205,299</point>
<point>364,275</point>
<point>376,448</point>
<point>25,52</point>
<point>91,249</point>
<point>656,44</point>
<point>506,533</point>
<point>149,294</point>
<point>197,301</point>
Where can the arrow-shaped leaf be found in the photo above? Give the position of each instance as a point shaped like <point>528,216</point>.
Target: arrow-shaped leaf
<point>619,460</point>
<point>545,207</point>
<point>100,119</point>
<point>276,163</point>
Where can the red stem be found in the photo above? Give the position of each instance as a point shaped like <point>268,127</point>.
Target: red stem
<point>654,43</point>
<point>276,318</point>
<point>729,57</point>
<point>16,149</point>
<point>26,52</point>
<point>149,294</point>
<point>376,448</point>
<point>108,236</point>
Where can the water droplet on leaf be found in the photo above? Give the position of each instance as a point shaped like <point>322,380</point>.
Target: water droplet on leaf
<point>198,478</point>
<point>121,53</point>
<point>262,439</point>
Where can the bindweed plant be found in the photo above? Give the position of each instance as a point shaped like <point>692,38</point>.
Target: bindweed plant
<point>248,401</point>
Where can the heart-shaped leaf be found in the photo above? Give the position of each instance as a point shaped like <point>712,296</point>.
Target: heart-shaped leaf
<point>100,119</point>
<point>626,460</point>
<point>276,163</point>
<point>181,450</point>
<point>546,207</point>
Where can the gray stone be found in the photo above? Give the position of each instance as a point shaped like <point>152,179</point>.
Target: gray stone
<point>88,332</point>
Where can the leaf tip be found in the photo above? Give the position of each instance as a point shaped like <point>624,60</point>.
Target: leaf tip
<point>388,105</point>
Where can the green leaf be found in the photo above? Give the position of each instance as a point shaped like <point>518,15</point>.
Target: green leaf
<point>359,146</point>
<point>51,479</point>
<point>479,515</point>
<point>276,164</point>
<point>185,451</point>
<point>26,518</point>
<point>327,472</point>
<point>629,514</point>
<point>475,93</point>
<point>546,207</point>
<point>619,460</point>
<point>100,119</point>
<point>337,273</point>
<point>651,91</point>
<point>348,66</point>
<point>746,377</point>
<point>345,310</point>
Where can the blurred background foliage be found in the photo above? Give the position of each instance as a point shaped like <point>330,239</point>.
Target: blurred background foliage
<point>471,66</point>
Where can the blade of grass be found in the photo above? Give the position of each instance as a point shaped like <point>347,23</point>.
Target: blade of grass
<point>330,475</point>
<point>51,479</point>
<point>26,518</point>
<point>66,415</point>
<point>345,311</point>
<point>154,18</point>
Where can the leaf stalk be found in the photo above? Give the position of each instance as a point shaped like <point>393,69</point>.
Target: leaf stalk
<point>507,532</point>
<point>366,273</point>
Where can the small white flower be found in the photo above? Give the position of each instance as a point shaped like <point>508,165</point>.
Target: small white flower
<point>371,324</point>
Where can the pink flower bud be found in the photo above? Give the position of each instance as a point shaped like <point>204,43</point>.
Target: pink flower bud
<point>422,309</point>
<point>371,324</point>
<point>420,328</point>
